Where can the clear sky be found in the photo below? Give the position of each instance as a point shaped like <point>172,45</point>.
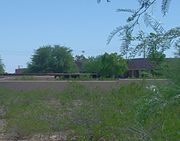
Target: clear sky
<point>82,25</point>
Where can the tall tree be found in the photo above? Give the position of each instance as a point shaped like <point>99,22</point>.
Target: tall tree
<point>51,59</point>
<point>80,60</point>
<point>61,59</point>
<point>173,69</point>
<point>112,65</point>
<point>40,60</point>
<point>107,65</point>
<point>177,46</point>
<point>1,67</point>
<point>92,65</point>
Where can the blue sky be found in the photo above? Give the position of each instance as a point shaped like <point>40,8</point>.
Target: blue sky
<point>82,25</point>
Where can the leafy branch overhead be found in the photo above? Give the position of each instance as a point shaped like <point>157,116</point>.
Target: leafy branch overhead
<point>132,43</point>
<point>136,14</point>
<point>98,1</point>
<point>146,44</point>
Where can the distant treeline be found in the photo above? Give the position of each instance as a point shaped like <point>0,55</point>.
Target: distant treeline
<point>59,59</point>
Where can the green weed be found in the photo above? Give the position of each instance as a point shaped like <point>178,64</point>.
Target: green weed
<point>131,112</point>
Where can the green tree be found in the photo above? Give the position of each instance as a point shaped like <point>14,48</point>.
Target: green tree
<point>154,42</point>
<point>173,68</point>
<point>1,67</point>
<point>172,72</point>
<point>51,59</point>
<point>62,59</point>
<point>106,65</point>
<point>112,65</point>
<point>92,65</point>
<point>151,45</point>
<point>40,60</point>
<point>177,46</point>
<point>157,58</point>
<point>80,61</point>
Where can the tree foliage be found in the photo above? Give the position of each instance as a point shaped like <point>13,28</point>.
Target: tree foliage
<point>92,65</point>
<point>177,46</point>
<point>51,59</point>
<point>132,42</point>
<point>100,1</point>
<point>146,44</point>
<point>143,9</point>
<point>80,60</point>
<point>59,59</point>
<point>1,67</point>
<point>173,67</point>
<point>107,65</point>
<point>112,65</point>
<point>172,71</point>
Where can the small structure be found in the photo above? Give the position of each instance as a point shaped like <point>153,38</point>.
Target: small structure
<point>137,66</point>
<point>20,70</point>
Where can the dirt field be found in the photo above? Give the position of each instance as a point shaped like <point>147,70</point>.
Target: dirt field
<point>61,85</point>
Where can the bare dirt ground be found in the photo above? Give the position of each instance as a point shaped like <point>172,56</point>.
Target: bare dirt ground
<point>48,82</point>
